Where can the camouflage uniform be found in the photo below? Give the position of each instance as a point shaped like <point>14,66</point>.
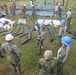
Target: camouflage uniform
<point>40,37</point>
<point>45,2</point>
<point>62,32</point>
<point>69,17</point>
<point>46,67</point>
<point>11,8</point>
<point>1,53</point>
<point>66,4</point>
<point>34,12</point>
<point>63,2</point>
<point>55,11</point>
<point>14,4</point>
<point>53,1</point>
<point>6,9</point>
<point>23,10</point>
<point>60,56</point>
<point>59,11</point>
<point>13,55</point>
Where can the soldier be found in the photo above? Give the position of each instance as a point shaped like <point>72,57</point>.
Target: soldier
<point>11,7</point>
<point>66,4</point>
<point>14,4</point>
<point>34,11</point>
<point>32,2</point>
<point>69,17</point>
<point>1,7</point>
<point>40,38</point>
<point>45,2</point>
<point>55,11</point>
<point>62,54</point>
<point>23,11</point>
<point>1,53</point>
<point>62,31</point>
<point>5,8</point>
<point>53,1</point>
<point>59,10</point>
<point>46,64</point>
<point>63,1</point>
<point>63,28</point>
<point>13,53</point>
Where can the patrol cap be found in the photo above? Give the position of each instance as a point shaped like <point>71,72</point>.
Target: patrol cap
<point>62,22</point>
<point>47,54</point>
<point>9,37</point>
<point>67,40</point>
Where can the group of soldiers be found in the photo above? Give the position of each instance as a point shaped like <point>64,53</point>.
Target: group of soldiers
<point>9,8</point>
<point>58,12</point>
<point>48,65</point>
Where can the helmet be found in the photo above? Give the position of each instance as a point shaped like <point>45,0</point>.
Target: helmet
<point>9,37</point>
<point>41,25</point>
<point>67,40</point>
<point>24,5</point>
<point>59,3</point>
<point>63,22</point>
<point>47,54</point>
<point>32,5</point>
<point>70,8</point>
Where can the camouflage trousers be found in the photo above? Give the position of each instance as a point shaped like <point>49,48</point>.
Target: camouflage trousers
<point>40,45</point>
<point>34,15</point>
<point>59,42</point>
<point>68,22</point>
<point>55,12</point>
<point>23,15</point>
<point>16,68</point>
<point>59,14</point>
<point>59,69</point>
<point>6,11</point>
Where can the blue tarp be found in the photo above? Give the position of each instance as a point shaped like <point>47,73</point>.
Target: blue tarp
<point>2,15</point>
<point>42,11</point>
<point>39,8</point>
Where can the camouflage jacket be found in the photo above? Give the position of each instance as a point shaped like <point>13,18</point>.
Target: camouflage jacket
<point>12,51</point>
<point>41,36</point>
<point>46,67</point>
<point>61,31</point>
<point>61,54</point>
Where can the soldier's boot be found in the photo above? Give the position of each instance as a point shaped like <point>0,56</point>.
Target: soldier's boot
<point>14,68</point>
<point>20,70</point>
<point>1,55</point>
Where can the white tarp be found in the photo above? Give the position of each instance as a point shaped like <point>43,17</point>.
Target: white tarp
<point>6,23</point>
<point>48,22</point>
<point>22,21</point>
<point>56,23</point>
<point>39,21</point>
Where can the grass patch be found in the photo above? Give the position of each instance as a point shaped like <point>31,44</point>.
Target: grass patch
<point>29,50</point>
